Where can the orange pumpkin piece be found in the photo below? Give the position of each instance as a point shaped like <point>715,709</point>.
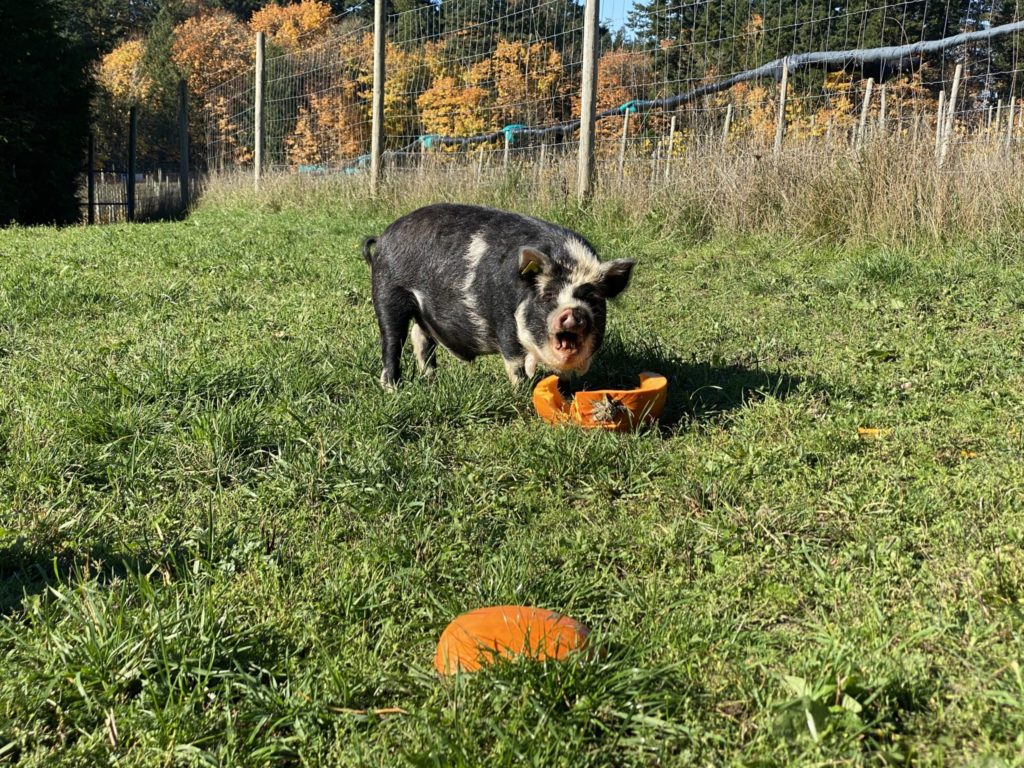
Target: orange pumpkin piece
<point>620,410</point>
<point>479,637</point>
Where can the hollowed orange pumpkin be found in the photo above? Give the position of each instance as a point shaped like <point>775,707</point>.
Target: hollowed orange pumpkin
<point>616,409</point>
<point>479,637</point>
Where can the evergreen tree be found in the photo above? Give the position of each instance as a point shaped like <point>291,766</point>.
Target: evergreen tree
<point>44,114</point>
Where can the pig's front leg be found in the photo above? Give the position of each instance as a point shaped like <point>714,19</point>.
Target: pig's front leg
<point>519,365</point>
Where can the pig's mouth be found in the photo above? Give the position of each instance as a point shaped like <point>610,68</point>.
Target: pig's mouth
<point>567,344</point>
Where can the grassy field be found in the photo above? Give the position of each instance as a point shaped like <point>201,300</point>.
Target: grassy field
<point>222,544</point>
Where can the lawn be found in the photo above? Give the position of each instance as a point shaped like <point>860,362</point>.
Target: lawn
<point>221,543</point>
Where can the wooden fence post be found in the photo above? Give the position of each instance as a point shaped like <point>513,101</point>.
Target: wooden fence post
<point>780,125</point>
<point>622,142</point>
<point>1009,120</point>
<point>377,129</point>
<point>940,112</point>
<point>863,126</point>
<point>671,147</point>
<point>588,103</point>
<point>90,181</point>
<point>728,123</point>
<point>258,111</point>
<point>950,115</point>
<point>132,136</point>
<point>183,170</point>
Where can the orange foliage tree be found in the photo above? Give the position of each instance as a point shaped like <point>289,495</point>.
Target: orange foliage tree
<point>208,50</point>
<point>622,76</point>
<point>330,129</point>
<point>295,26</point>
<point>211,48</point>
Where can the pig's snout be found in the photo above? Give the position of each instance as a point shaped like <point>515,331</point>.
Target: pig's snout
<point>572,320</point>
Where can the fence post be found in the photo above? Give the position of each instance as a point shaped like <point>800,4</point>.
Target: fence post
<point>950,115</point>
<point>780,125</point>
<point>258,111</point>
<point>728,123</point>
<point>480,164</point>
<point>132,135</point>
<point>183,143</point>
<point>940,112</point>
<point>671,146</point>
<point>90,181</point>
<point>881,108</point>
<point>588,103</point>
<point>862,129</point>
<point>508,143</point>
<point>1009,120</point>
<point>622,142</point>
<point>377,130</point>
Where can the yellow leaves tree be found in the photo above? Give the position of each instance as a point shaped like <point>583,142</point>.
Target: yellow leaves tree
<point>292,27</point>
<point>452,107</point>
<point>121,75</point>
<point>528,81</point>
<point>330,129</point>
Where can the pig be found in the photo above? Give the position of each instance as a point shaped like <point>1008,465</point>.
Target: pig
<point>480,281</point>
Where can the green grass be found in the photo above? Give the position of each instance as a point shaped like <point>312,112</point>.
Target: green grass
<point>219,537</point>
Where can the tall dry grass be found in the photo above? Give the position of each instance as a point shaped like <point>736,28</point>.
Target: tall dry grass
<point>890,190</point>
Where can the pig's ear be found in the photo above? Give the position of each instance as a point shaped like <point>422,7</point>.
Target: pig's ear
<point>615,277</point>
<point>532,261</point>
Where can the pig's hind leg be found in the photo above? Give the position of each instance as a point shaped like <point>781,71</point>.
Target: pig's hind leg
<point>394,311</point>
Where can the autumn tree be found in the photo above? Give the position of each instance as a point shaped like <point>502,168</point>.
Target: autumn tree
<point>211,48</point>
<point>459,105</point>
<point>121,74</point>
<point>291,27</point>
<point>529,84</point>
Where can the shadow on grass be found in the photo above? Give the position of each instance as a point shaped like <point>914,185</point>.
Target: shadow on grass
<point>25,572</point>
<point>697,390</point>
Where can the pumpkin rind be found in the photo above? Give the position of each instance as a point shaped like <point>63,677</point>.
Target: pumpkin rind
<point>612,409</point>
<point>478,637</point>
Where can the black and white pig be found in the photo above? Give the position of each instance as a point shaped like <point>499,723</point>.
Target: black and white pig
<point>479,280</point>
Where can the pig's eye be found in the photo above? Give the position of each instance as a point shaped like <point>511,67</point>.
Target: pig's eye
<point>585,292</point>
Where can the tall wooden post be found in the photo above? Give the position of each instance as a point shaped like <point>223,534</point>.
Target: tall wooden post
<point>950,116</point>
<point>1009,120</point>
<point>183,143</point>
<point>377,130</point>
<point>940,112</point>
<point>622,142</point>
<point>90,181</point>
<point>728,123</point>
<point>780,125</point>
<point>132,136</point>
<point>588,103</point>
<point>671,147</point>
<point>863,127</point>
<point>258,111</point>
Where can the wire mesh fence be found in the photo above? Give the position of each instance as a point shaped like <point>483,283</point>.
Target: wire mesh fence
<point>487,83</point>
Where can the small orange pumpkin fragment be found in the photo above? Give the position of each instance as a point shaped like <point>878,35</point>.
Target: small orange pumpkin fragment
<point>478,637</point>
<point>615,409</point>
